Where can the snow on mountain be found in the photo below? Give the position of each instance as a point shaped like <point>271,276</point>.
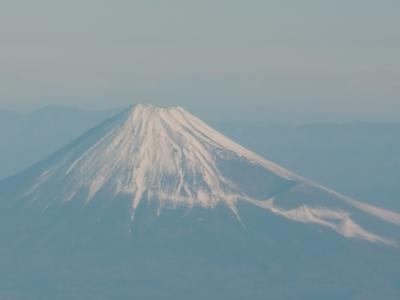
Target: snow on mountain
<point>169,156</point>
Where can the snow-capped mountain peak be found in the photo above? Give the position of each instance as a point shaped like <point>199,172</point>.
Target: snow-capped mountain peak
<point>167,155</point>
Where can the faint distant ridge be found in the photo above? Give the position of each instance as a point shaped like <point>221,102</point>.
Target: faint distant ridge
<point>32,136</point>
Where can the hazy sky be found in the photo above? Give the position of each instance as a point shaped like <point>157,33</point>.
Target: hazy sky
<point>268,59</point>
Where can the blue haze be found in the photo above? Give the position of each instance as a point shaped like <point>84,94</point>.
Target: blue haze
<point>309,60</point>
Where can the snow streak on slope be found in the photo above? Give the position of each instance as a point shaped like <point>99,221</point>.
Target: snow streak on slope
<point>338,220</point>
<point>168,155</point>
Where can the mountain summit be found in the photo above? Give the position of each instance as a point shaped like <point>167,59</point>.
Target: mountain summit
<point>172,159</point>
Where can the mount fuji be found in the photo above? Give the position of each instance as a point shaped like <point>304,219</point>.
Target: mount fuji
<point>156,204</point>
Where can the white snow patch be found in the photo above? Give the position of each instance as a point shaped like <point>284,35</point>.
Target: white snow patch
<point>339,221</point>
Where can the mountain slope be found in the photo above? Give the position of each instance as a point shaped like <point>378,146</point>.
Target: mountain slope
<point>170,156</point>
<point>156,198</point>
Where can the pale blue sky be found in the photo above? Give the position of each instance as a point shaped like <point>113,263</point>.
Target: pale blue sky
<point>268,59</point>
